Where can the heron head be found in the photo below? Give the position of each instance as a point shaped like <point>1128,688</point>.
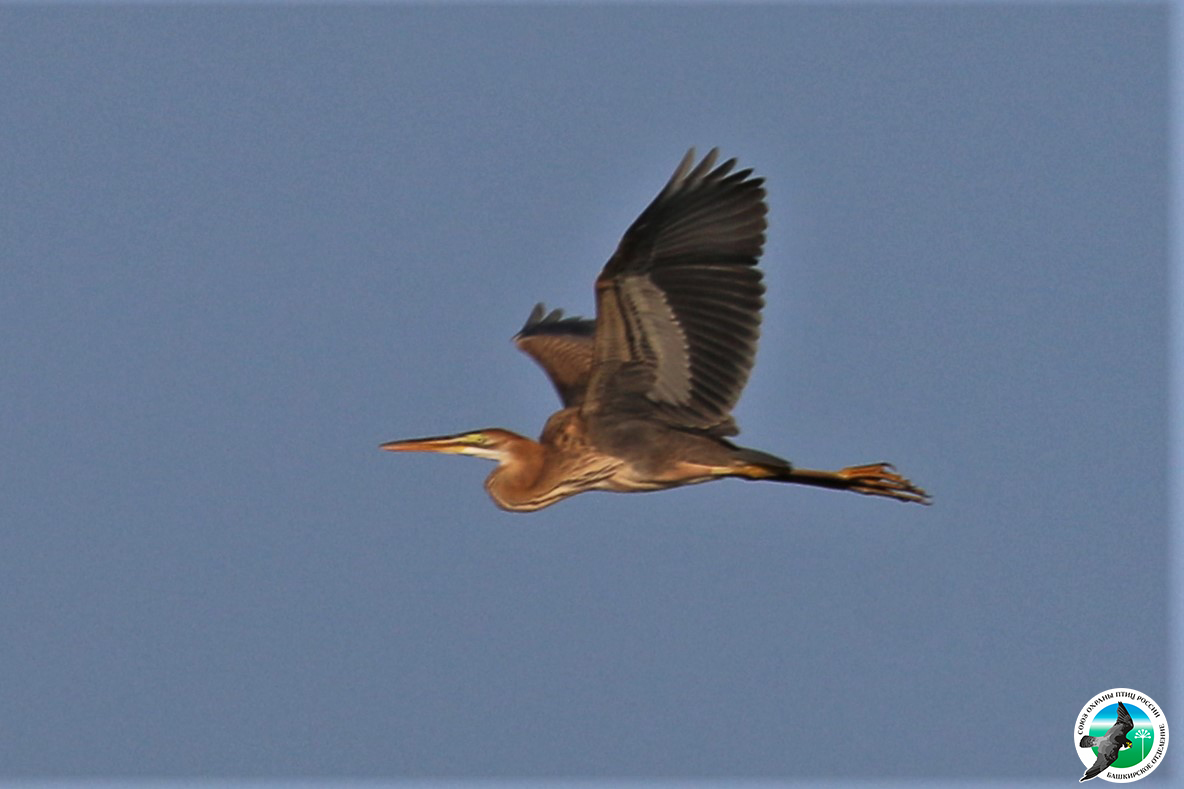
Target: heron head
<point>491,443</point>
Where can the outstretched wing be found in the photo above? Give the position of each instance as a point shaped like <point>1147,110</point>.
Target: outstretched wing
<point>1123,723</point>
<point>562,347</point>
<point>678,304</point>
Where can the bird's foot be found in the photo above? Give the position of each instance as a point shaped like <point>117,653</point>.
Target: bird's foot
<point>881,479</point>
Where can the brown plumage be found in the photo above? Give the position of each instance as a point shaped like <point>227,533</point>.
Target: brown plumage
<point>563,347</point>
<point>649,386</point>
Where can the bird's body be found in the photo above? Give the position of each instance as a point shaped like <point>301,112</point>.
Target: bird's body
<point>649,386</point>
<point>1109,744</point>
<point>576,454</point>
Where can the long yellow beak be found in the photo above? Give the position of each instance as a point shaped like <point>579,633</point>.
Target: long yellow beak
<point>452,444</point>
<point>477,443</point>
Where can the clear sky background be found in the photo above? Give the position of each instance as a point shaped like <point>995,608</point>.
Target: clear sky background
<point>240,247</point>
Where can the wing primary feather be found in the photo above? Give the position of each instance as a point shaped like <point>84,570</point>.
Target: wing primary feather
<point>678,303</point>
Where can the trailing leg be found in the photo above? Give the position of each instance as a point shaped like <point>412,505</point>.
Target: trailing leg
<point>874,479</point>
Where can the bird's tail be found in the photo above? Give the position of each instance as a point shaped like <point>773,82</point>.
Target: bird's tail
<point>1088,742</point>
<point>761,465</point>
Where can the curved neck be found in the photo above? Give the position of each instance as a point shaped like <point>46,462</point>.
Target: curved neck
<point>515,484</point>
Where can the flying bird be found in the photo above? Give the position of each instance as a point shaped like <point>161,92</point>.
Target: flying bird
<point>1109,744</point>
<point>648,387</point>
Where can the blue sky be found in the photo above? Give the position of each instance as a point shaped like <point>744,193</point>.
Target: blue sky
<point>244,246</point>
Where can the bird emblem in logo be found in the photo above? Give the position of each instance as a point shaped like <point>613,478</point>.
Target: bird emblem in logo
<point>1120,735</point>
<point>1110,743</point>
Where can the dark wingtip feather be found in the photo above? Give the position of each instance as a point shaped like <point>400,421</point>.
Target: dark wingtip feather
<point>542,322</point>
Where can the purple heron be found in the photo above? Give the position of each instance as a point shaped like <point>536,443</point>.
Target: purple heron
<point>648,387</point>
